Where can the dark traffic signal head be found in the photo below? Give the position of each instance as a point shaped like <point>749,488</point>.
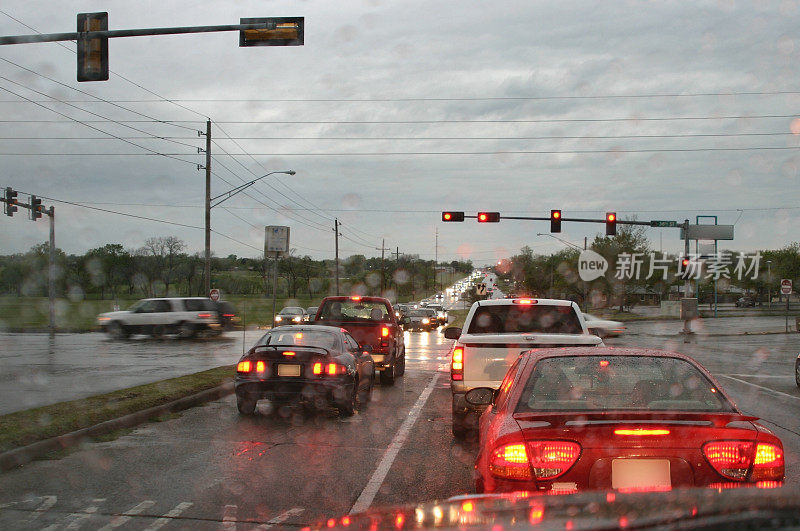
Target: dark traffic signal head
<point>36,208</point>
<point>488,217</point>
<point>11,201</point>
<point>92,53</point>
<point>611,223</point>
<point>452,216</point>
<point>555,221</point>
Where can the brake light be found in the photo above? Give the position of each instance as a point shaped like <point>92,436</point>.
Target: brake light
<point>550,459</point>
<point>244,366</point>
<point>228,315</point>
<point>261,366</point>
<point>204,316</point>
<point>355,298</point>
<point>457,364</point>
<point>289,353</point>
<point>385,332</point>
<point>769,463</point>
<point>317,369</point>
<point>643,432</point>
<point>510,461</point>
<point>525,301</point>
<point>331,369</point>
<point>735,459</point>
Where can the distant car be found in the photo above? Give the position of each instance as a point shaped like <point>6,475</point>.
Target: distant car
<point>183,317</point>
<point>603,327</point>
<point>797,371</point>
<point>311,312</point>
<point>577,419</point>
<point>316,365</point>
<point>421,319</point>
<point>441,313</point>
<point>745,302</point>
<point>228,316</point>
<point>290,315</point>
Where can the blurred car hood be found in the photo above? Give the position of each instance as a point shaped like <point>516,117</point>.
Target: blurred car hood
<point>725,505</point>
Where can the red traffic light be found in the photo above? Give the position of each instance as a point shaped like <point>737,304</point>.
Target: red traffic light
<point>488,217</point>
<point>452,216</point>
<point>555,221</point>
<point>611,223</point>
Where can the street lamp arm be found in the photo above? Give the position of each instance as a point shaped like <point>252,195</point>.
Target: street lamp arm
<point>230,193</point>
<point>559,239</point>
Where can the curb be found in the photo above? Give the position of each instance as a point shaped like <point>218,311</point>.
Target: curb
<point>25,454</point>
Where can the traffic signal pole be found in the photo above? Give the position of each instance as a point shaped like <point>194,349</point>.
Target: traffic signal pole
<point>51,281</point>
<point>207,266</point>
<point>687,323</point>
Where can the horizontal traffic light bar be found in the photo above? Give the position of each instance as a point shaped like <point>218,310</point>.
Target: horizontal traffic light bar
<point>493,217</point>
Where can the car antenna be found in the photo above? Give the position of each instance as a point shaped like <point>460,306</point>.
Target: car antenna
<point>244,323</point>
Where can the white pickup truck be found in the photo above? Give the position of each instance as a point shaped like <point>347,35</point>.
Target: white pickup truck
<point>495,333</point>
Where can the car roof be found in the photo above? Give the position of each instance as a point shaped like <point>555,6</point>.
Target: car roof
<point>291,308</point>
<point>510,302</point>
<point>360,299</point>
<point>605,351</point>
<point>308,328</point>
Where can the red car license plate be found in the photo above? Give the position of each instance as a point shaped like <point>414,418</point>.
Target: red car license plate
<point>286,369</point>
<point>640,474</point>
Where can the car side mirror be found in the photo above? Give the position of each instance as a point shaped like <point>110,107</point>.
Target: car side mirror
<point>480,396</point>
<point>452,332</point>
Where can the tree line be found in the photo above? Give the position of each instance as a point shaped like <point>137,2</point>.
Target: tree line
<point>162,267</point>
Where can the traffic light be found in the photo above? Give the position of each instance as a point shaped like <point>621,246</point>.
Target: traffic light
<point>279,31</point>
<point>92,53</point>
<point>36,208</point>
<point>555,221</point>
<point>683,269</point>
<point>452,216</point>
<point>611,223</point>
<point>488,217</point>
<point>11,201</point>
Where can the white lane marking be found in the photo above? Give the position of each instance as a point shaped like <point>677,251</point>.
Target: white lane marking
<point>124,517</point>
<point>282,517</point>
<point>47,503</point>
<point>176,511</point>
<point>765,376</point>
<point>229,517</point>
<point>78,518</point>
<point>761,387</point>
<point>368,494</point>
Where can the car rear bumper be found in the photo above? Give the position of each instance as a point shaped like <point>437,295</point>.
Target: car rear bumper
<point>293,388</point>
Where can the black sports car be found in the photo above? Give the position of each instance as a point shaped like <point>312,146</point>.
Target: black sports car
<point>317,365</point>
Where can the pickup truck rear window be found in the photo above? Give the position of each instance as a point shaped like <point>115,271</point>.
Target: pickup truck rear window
<point>354,311</point>
<point>522,319</point>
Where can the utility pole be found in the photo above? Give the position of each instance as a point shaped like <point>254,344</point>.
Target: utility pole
<point>436,261</point>
<point>336,232</point>
<point>687,327</point>
<point>207,270</point>
<point>397,255</point>
<point>51,282</point>
<point>383,271</point>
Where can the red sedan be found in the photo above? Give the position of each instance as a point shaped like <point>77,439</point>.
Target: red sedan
<point>573,419</point>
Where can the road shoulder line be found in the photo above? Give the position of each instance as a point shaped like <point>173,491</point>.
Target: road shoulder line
<point>368,494</point>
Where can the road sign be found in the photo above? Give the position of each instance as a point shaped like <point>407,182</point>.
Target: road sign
<point>277,240</point>
<point>658,223</point>
<point>709,232</point>
<point>214,294</point>
<point>786,286</point>
<point>481,289</point>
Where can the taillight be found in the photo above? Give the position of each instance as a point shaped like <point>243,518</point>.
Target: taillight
<point>769,464</point>
<point>550,459</point>
<point>290,353</point>
<point>204,316</point>
<point>317,369</point>
<point>641,432</point>
<point>734,459</point>
<point>510,462</point>
<point>244,366</point>
<point>261,366</point>
<point>457,364</point>
<point>385,332</point>
<point>328,369</point>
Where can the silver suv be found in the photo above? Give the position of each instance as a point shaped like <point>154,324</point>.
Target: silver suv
<point>184,317</point>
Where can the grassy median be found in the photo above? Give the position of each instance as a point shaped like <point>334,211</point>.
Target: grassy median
<point>32,425</point>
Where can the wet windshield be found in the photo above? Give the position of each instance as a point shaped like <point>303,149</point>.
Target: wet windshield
<point>514,163</point>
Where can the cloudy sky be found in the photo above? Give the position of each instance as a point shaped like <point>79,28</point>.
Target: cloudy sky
<point>394,111</point>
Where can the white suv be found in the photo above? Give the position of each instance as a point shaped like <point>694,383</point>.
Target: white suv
<point>158,317</point>
<point>495,333</point>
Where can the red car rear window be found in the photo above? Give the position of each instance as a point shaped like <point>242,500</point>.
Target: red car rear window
<point>598,383</point>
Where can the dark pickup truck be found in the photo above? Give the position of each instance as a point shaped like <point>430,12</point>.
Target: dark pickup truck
<point>371,321</point>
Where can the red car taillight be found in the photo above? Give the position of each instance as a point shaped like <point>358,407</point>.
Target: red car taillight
<point>457,364</point>
<point>328,369</point>
<point>734,459</point>
<point>538,459</point>
<point>244,366</point>
<point>204,316</point>
<point>385,331</point>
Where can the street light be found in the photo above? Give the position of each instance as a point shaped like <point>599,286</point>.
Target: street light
<point>219,199</point>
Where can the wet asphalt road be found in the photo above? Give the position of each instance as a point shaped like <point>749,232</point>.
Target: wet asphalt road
<point>208,468</point>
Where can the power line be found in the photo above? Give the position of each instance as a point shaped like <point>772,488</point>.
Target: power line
<point>415,153</point>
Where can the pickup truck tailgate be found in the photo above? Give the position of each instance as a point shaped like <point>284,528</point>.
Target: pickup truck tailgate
<point>487,357</point>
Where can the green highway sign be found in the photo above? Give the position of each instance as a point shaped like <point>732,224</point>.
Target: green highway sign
<point>663,223</point>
